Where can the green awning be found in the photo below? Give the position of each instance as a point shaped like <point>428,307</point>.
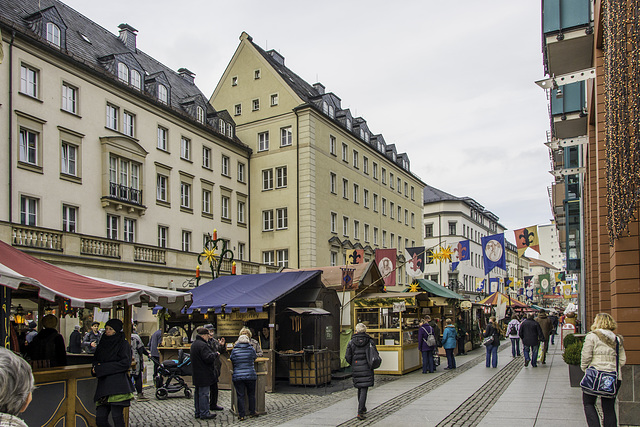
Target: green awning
<point>438,290</point>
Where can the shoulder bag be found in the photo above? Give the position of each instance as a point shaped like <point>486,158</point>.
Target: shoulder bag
<point>602,383</point>
<point>430,340</point>
<point>373,357</point>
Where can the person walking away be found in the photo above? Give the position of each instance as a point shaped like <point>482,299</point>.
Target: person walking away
<point>48,346</point>
<point>361,372</point>
<point>424,348</point>
<point>513,330</point>
<point>546,325</point>
<point>243,357</point>
<point>75,340</point>
<point>531,335</point>
<point>449,339</point>
<point>138,351</point>
<point>599,352</point>
<point>554,326</point>
<point>154,342</point>
<point>91,338</point>
<point>218,347</point>
<point>462,335</point>
<point>492,349</point>
<point>202,361</point>
<point>111,365</point>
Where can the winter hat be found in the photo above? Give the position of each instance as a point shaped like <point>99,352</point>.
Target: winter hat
<point>50,321</point>
<point>116,324</point>
<point>77,327</point>
<point>33,325</point>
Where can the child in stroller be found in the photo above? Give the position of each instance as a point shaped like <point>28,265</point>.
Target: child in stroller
<point>172,370</point>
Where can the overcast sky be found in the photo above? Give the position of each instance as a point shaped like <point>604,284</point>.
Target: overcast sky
<point>451,83</point>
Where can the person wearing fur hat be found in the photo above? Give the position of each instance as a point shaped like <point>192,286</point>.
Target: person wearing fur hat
<point>111,365</point>
<point>48,345</point>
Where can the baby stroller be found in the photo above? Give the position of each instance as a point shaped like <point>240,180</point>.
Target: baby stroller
<point>171,370</point>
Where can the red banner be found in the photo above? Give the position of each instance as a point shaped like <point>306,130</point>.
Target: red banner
<point>386,260</point>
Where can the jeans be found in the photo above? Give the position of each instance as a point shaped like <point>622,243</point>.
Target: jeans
<point>102,415</point>
<point>362,400</point>
<point>608,409</point>
<point>248,387</point>
<point>534,354</point>
<point>451,360</point>
<point>427,361</point>
<point>461,345</point>
<point>201,401</point>
<point>492,355</point>
<point>515,347</point>
<point>553,336</point>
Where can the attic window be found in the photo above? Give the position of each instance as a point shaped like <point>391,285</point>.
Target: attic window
<point>53,34</point>
<point>200,114</point>
<point>84,37</point>
<point>331,111</point>
<point>325,107</point>
<point>349,124</point>
<point>274,99</point>
<point>256,74</point>
<point>163,93</point>
<point>123,72</point>
<point>234,81</point>
<point>136,81</point>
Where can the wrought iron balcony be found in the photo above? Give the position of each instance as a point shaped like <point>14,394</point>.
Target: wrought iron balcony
<point>125,194</point>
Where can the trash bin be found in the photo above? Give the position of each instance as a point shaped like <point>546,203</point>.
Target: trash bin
<point>261,385</point>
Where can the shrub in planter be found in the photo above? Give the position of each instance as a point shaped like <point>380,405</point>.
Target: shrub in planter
<point>569,339</point>
<point>572,353</point>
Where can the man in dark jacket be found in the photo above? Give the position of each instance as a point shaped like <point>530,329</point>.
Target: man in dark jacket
<point>218,346</point>
<point>546,325</point>
<point>91,338</point>
<point>554,325</point>
<point>531,335</point>
<point>202,361</point>
<point>75,341</point>
<point>361,372</point>
<point>462,334</point>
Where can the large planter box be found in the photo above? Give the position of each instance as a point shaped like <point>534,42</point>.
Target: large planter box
<point>575,375</point>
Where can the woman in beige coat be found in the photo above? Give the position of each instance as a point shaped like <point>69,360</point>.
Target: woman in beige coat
<point>599,352</point>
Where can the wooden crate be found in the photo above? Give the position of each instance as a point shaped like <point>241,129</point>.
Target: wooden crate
<point>310,368</point>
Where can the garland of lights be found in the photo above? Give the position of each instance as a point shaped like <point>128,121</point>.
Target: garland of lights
<point>621,30</point>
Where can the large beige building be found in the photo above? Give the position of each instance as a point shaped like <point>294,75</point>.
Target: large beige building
<point>113,164</point>
<point>322,181</point>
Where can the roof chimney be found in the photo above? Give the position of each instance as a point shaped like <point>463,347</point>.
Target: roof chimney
<point>128,36</point>
<point>187,75</point>
<point>319,87</point>
<point>276,56</point>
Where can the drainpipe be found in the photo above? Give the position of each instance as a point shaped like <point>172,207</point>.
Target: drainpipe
<point>249,207</point>
<point>298,184</point>
<point>10,127</point>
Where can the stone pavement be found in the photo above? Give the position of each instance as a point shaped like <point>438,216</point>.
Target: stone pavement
<point>471,395</point>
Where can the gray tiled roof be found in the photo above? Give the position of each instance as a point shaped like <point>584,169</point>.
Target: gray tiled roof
<point>431,194</point>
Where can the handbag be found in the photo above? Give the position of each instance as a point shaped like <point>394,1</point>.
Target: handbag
<point>602,383</point>
<point>487,341</point>
<point>430,340</point>
<point>373,357</point>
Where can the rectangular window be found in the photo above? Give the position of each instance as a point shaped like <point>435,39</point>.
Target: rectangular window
<point>452,228</point>
<point>28,146</point>
<point>129,231</point>
<point>282,220</point>
<point>334,259</point>
<point>406,217</point>
<point>366,233</point>
<point>267,179</point>
<point>365,165</point>
<point>413,220</point>
<point>28,81</point>
<point>267,257</point>
<point>241,172</point>
<point>384,206</point>
<point>186,241</point>
<point>356,193</point>
<point>241,251</point>
<point>375,170</point>
<point>345,226</point>
<point>281,177</point>
<point>399,213</point>
<point>69,99</point>
<point>162,138</point>
<point>333,183</point>
<point>406,190</point>
<point>255,104</point>
<point>69,159</point>
<point>334,222</point>
<point>345,188</point>
<point>365,197</point>
<point>345,154</point>
<point>128,124</point>
<point>392,210</point>
<point>69,218</point>
<point>356,163</point>
<point>384,238</point>
<point>225,166</point>
<point>332,145</point>
<point>185,195</point>
<point>224,206</point>
<point>28,211</point>
<point>399,186</point>
<point>112,117</point>
<point>391,180</point>
<point>283,257</point>
<point>384,176</point>
<point>285,136</point>
<point>241,212</point>
<point>206,202</point>
<point>263,141</point>
<point>356,229</point>
<point>428,230</point>
<point>375,202</point>
<point>161,188</point>
<point>274,99</point>
<point>206,157</point>
<point>375,235</point>
<point>185,148</point>
<point>238,109</point>
<point>267,220</point>
<point>112,227</point>
<point>412,193</point>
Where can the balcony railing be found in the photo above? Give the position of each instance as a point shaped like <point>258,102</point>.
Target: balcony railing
<point>125,194</point>
<point>36,238</point>
<point>149,254</point>
<point>100,247</point>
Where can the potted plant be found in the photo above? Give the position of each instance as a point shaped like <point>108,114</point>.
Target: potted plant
<point>572,355</point>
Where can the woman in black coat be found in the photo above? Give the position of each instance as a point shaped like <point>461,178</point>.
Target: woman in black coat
<point>111,364</point>
<point>492,349</point>
<point>361,372</point>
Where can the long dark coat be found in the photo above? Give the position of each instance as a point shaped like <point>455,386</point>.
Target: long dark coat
<point>112,370</point>
<point>356,356</point>
<point>202,362</point>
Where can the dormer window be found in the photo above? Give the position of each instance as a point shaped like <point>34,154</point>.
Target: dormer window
<point>361,134</point>
<point>331,111</point>
<point>229,131</point>
<point>234,81</point>
<point>53,34</point>
<point>366,136</point>
<point>256,74</point>
<point>123,72</point>
<point>349,124</point>
<point>200,114</point>
<point>163,94</point>
<point>325,107</point>
<point>222,126</point>
<point>136,80</point>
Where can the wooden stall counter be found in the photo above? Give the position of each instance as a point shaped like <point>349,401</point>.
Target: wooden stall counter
<point>170,353</point>
<point>63,396</point>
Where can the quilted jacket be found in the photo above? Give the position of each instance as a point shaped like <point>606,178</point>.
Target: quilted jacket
<point>602,354</point>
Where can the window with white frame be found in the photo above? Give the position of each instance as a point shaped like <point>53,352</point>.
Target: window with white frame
<point>406,190</point>
<point>222,126</point>
<point>136,80</point>
<point>186,241</point>
<point>28,146</point>
<point>334,222</point>
<point>428,230</point>
<point>392,209</point>
<point>332,145</point>
<point>332,111</point>
<point>69,98</point>
<point>282,219</point>
<point>399,186</point>
<point>241,172</point>
<point>345,226</point>
<point>53,34</point>
<point>241,212</point>
<point>345,188</point>
<point>452,228</point>
<point>263,141</point>
<point>28,81</point>
<point>413,220</point>
<point>366,233</point>
<point>355,159</point>
<point>238,109</point>
<point>349,124</point>
<point>124,179</point>
<point>162,182</point>
<point>224,205</point>
<point>123,73</point>
<point>356,229</point>
<point>185,195</point>
<point>112,226</point>
<point>384,206</point>
<point>274,99</point>
<point>69,154</point>
<point>241,251</point>
<point>267,220</point>
<point>129,230</point>
<point>281,177</point>
<point>128,124</point>
<point>334,259</point>
<point>345,152</point>
<point>375,202</point>
<point>375,170</point>
<point>391,183</point>
<point>69,218</point>
<point>163,94</point>
<point>325,107</point>
<point>356,193</point>
<point>375,235</point>
<point>365,197</point>
<point>267,257</point>
<point>163,137</point>
<point>267,179</point>
<point>163,233</point>
<point>332,181</point>
<point>206,157</point>
<point>384,238</point>
<point>399,213</point>
<point>384,176</point>
<point>206,201</point>
<point>28,211</point>
<point>285,136</point>
<point>200,114</point>
<point>282,257</point>
<point>412,193</point>
<point>255,105</point>
<point>365,165</point>
<point>112,117</point>
<point>225,166</point>
<point>406,217</point>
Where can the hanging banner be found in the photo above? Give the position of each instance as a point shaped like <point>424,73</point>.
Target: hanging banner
<point>386,260</point>
<point>493,252</point>
<point>415,261</point>
<point>355,256</point>
<point>527,238</point>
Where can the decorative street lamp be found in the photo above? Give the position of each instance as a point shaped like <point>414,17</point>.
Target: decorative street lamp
<point>214,258</point>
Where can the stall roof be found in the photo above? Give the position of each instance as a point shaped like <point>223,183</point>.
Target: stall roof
<point>498,297</point>
<point>438,290</point>
<point>308,310</point>
<point>247,291</point>
<point>332,276</point>
<point>18,268</point>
